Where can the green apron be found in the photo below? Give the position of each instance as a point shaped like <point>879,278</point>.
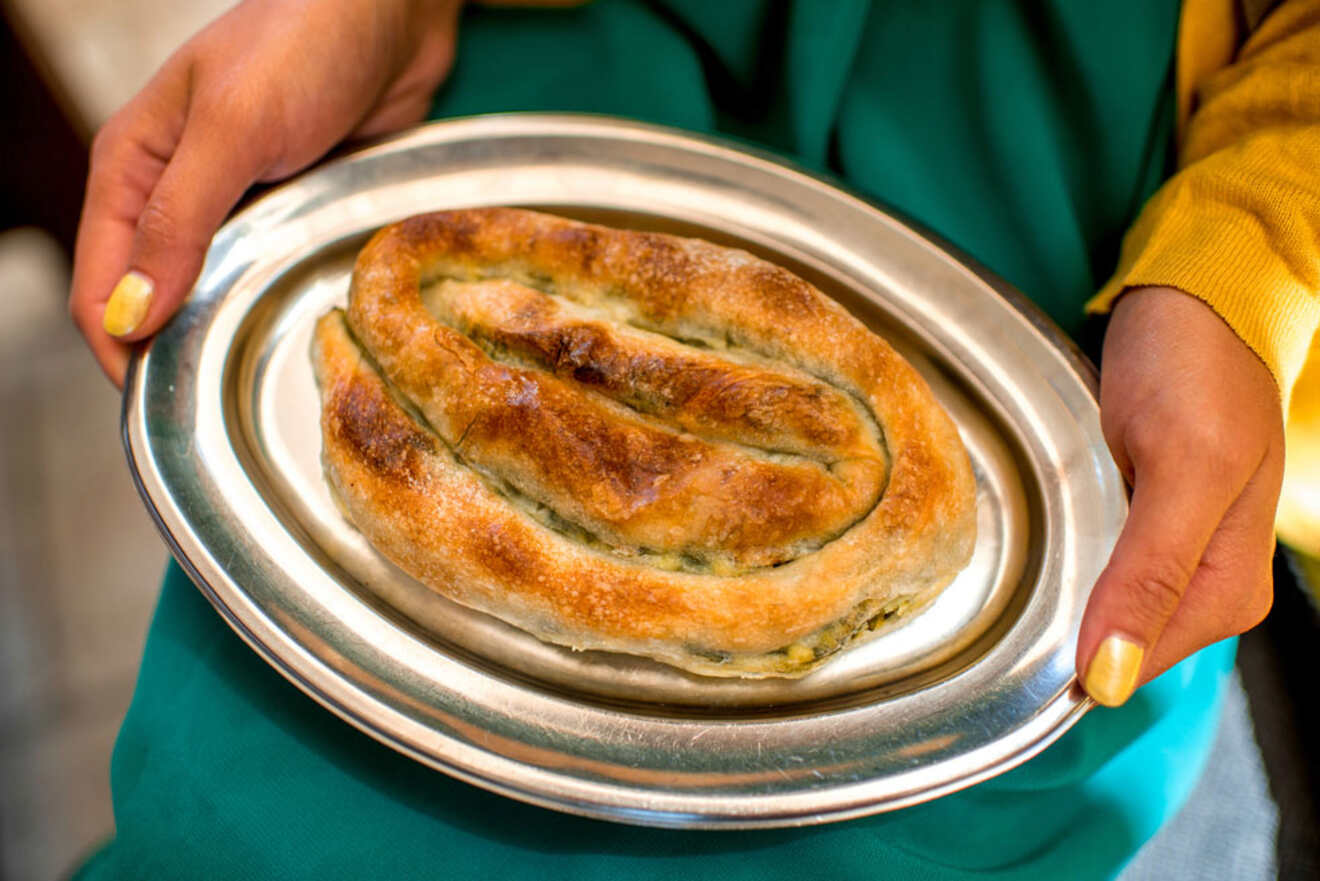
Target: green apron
<point>1027,133</point>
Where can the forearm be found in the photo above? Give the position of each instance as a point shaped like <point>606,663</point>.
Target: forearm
<point>1239,226</point>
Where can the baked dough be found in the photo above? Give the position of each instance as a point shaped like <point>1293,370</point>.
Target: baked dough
<point>636,442</point>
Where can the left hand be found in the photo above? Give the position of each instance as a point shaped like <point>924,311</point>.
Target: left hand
<point>260,93</point>
<point>1194,422</point>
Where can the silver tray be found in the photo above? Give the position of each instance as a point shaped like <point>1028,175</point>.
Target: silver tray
<point>221,428</point>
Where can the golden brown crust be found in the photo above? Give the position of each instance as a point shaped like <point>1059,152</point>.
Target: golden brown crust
<point>579,448</point>
<point>763,405</point>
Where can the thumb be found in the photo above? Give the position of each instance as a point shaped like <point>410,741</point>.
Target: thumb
<point>209,171</point>
<point>1176,507</point>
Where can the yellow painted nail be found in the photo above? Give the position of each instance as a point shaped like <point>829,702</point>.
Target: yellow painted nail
<point>128,304</point>
<point>1112,674</point>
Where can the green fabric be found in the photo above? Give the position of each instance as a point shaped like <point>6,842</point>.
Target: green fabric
<point>224,770</point>
<point>1006,127</point>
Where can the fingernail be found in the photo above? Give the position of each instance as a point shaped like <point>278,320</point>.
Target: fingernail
<point>1111,677</point>
<point>128,304</point>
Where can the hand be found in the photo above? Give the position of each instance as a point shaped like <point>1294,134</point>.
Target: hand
<point>1193,420</point>
<point>259,94</point>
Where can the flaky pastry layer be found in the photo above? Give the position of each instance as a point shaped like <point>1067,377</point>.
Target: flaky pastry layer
<point>636,442</point>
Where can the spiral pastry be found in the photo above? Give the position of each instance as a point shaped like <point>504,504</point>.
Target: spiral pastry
<point>635,442</point>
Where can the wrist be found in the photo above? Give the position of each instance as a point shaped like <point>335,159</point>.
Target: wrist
<point>1189,309</point>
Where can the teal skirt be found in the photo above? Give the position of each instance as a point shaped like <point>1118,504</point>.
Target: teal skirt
<point>1007,127</point>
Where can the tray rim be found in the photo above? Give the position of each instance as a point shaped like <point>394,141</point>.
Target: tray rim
<point>1068,705</point>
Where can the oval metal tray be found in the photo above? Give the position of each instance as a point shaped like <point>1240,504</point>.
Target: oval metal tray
<point>221,427</point>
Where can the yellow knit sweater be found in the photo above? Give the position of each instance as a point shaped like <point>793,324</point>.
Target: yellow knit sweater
<point>1239,225</point>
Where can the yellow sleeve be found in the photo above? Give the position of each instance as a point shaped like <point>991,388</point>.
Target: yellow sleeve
<point>1239,227</point>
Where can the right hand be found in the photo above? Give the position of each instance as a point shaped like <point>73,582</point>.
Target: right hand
<point>261,93</point>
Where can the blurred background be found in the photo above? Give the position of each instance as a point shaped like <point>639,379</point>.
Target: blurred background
<point>80,560</point>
